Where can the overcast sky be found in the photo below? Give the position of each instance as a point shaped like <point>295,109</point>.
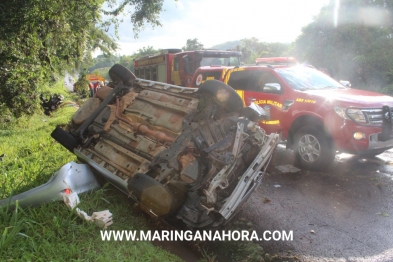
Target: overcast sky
<point>215,22</point>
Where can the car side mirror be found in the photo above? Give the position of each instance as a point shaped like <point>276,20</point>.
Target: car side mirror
<point>272,87</point>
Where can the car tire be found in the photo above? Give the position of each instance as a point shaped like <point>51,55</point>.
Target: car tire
<point>153,197</point>
<point>225,94</point>
<point>65,139</point>
<point>314,150</point>
<point>119,72</point>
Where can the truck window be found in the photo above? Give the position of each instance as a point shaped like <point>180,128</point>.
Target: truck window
<point>176,63</point>
<point>216,61</point>
<point>253,80</point>
<point>154,73</point>
<point>189,67</point>
<point>305,78</point>
<point>142,73</point>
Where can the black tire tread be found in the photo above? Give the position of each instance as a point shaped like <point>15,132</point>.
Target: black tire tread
<point>211,87</point>
<point>64,138</point>
<point>119,72</point>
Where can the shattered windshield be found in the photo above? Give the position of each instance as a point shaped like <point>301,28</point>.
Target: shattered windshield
<point>305,78</point>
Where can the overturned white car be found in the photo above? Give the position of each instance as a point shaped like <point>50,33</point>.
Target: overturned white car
<point>181,153</point>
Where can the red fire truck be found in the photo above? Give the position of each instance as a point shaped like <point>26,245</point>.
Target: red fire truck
<point>157,67</point>
<point>175,67</point>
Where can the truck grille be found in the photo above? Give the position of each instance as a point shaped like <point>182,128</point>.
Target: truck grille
<point>375,116</point>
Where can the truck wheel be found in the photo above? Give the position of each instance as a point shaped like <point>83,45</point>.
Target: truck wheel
<point>225,94</point>
<point>119,72</point>
<point>313,149</point>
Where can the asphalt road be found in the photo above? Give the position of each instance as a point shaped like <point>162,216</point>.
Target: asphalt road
<point>343,214</point>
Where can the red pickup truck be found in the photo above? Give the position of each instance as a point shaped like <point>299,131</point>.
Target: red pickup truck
<point>316,115</point>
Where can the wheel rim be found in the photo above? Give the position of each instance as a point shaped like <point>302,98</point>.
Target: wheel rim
<point>309,148</point>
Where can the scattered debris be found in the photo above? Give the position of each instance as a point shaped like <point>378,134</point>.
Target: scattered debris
<point>312,231</point>
<point>102,219</point>
<point>52,103</point>
<point>277,186</point>
<point>384,214</point>
<point>288,169</point>
<point>266,200</point>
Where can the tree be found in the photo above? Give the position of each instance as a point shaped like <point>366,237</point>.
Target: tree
<point>252,48</point>
<point>40,39</point>
<point>146,51</point>
<point>352,43</point>
<point>192,45</point>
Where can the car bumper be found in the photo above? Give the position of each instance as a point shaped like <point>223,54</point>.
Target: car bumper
<point>371,140</point>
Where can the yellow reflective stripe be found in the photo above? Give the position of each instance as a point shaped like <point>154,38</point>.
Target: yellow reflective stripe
<point>223,73</point>
<point>241,94</point>
<point>271,122</point>
<point>175,77</point>
<point>231,71</point>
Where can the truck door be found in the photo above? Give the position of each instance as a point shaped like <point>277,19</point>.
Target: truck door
<point>262,88</point>
<point>188,63</point>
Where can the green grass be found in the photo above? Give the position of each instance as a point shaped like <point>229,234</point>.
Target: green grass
<point>52,232</point>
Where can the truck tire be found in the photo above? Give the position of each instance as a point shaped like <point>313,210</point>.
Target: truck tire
<point>230,99</point>
<point>119,72</point>
<point>313,149</point>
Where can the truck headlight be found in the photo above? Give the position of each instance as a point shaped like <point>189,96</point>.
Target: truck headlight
<point>354,114</point>
<point>357,116</point>
<point>341,112</point>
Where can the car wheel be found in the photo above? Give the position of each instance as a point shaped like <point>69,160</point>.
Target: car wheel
<point>313,149</point>
<point>119,72</point>
<point>65,139</point>
<point>155,199</point>
<point>225,95</point>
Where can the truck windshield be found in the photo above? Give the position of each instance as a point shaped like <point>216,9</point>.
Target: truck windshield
<point>305,78</point>
<point>218,61</point>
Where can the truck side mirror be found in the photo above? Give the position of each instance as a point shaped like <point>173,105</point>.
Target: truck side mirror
<point>272,87</point>
<point>345,83</point>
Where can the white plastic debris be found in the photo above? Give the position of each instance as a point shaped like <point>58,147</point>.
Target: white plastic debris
<point>102,218</point>
<point>288,169</point>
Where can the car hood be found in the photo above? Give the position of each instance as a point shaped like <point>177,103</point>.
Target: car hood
<point>351,97</point>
